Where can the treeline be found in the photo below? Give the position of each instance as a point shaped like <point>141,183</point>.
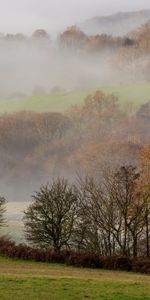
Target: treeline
<point>114,51</point>
<point>34,146</point>
<point>70,258</point>
<point>39,34</point>
<point>133,48</point>
<point>107,217</point>
<point>73,38</point>
<point>136,41</point>
<point>101,223</point>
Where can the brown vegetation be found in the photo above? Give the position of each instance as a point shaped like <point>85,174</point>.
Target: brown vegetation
<point>87,260</point>
<point>37,146</point>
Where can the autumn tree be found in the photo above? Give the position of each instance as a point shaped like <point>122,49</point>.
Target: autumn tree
<point>72,38</point>
<point>99,113</point>
<point>40,34</point>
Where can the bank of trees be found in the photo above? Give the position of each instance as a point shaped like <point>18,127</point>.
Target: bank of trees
<point>107,217</point>
<point>36,146</point>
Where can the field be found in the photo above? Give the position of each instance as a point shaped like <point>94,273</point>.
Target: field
<point>21,280</point>
<point>137,94</point>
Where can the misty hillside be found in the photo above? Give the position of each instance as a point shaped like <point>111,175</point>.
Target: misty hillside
<point>53,122</point>
<point>116,24</point>
<point>36,65</point>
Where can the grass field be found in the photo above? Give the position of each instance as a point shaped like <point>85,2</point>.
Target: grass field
<point>137,94</point>
<point>21,280</point>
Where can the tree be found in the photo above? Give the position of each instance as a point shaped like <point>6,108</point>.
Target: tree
<point>123,191</point>
<point>2,211</point>
<point>87,234</point>
<point>94,228</point>
<point>144,186</point>
<point>73,38</point>
<point>40,34</point>
<point>50,219</point>
<point>112,213</point>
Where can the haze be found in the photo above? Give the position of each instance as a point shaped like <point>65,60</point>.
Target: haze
<point>55,15</point>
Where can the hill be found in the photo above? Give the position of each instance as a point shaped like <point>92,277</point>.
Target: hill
<point>116,24</point>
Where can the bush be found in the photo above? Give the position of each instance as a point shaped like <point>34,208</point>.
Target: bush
<point>123,263</point>
<point>8,248</point>
<point>108,262</point>
<point>86,260</point>
<point>141,265</point>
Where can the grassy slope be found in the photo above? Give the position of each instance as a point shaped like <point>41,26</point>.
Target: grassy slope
<point>21,280</point>
<point>137,94</point>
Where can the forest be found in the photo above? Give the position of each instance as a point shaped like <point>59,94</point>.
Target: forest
<point>103,151</point>
<point>75,150</point>
<point>101,147</point>
<point>87,139</point>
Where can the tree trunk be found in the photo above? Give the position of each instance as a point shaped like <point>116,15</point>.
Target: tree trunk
<point>135,246</point>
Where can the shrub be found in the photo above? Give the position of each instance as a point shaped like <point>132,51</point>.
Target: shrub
<point>141,265</point>
<point>123,263</point>
<point>108,262</point>
<point>8,248</point>
<point>81,259</point>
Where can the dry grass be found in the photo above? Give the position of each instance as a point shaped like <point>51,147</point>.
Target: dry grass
<point>9,267</point>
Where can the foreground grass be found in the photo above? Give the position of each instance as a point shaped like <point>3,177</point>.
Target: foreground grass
<point>136,94</point>
<point>21,280</point>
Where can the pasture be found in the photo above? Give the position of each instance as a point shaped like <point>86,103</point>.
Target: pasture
<point>21,280</point>
<point>59,102</point>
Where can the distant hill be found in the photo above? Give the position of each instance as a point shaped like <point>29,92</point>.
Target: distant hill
<point>116,24</point>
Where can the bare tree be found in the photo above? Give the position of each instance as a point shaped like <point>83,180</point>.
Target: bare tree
<point>127,202</point>
<point>94,230</point>
<point>49,220</point>
<point>112,213</point>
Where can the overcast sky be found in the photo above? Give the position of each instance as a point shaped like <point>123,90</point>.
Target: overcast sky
<point>54,15</point>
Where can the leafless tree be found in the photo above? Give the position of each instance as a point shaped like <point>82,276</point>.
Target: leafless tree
<point>49,220</point>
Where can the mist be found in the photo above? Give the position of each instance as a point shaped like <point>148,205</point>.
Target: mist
<point>27,66</point>
<point>38,147</point>
<point>32,67</point>
<point>31,151</point>
<point>27,15</point>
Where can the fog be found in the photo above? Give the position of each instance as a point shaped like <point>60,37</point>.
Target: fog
<point>28,154</point>
<point>53,15</point>
<point>37,67</point>
<point>35,148</point>
<point>27,66</point>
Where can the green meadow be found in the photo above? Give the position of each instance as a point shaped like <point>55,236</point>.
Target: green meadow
<point>58,102</point>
